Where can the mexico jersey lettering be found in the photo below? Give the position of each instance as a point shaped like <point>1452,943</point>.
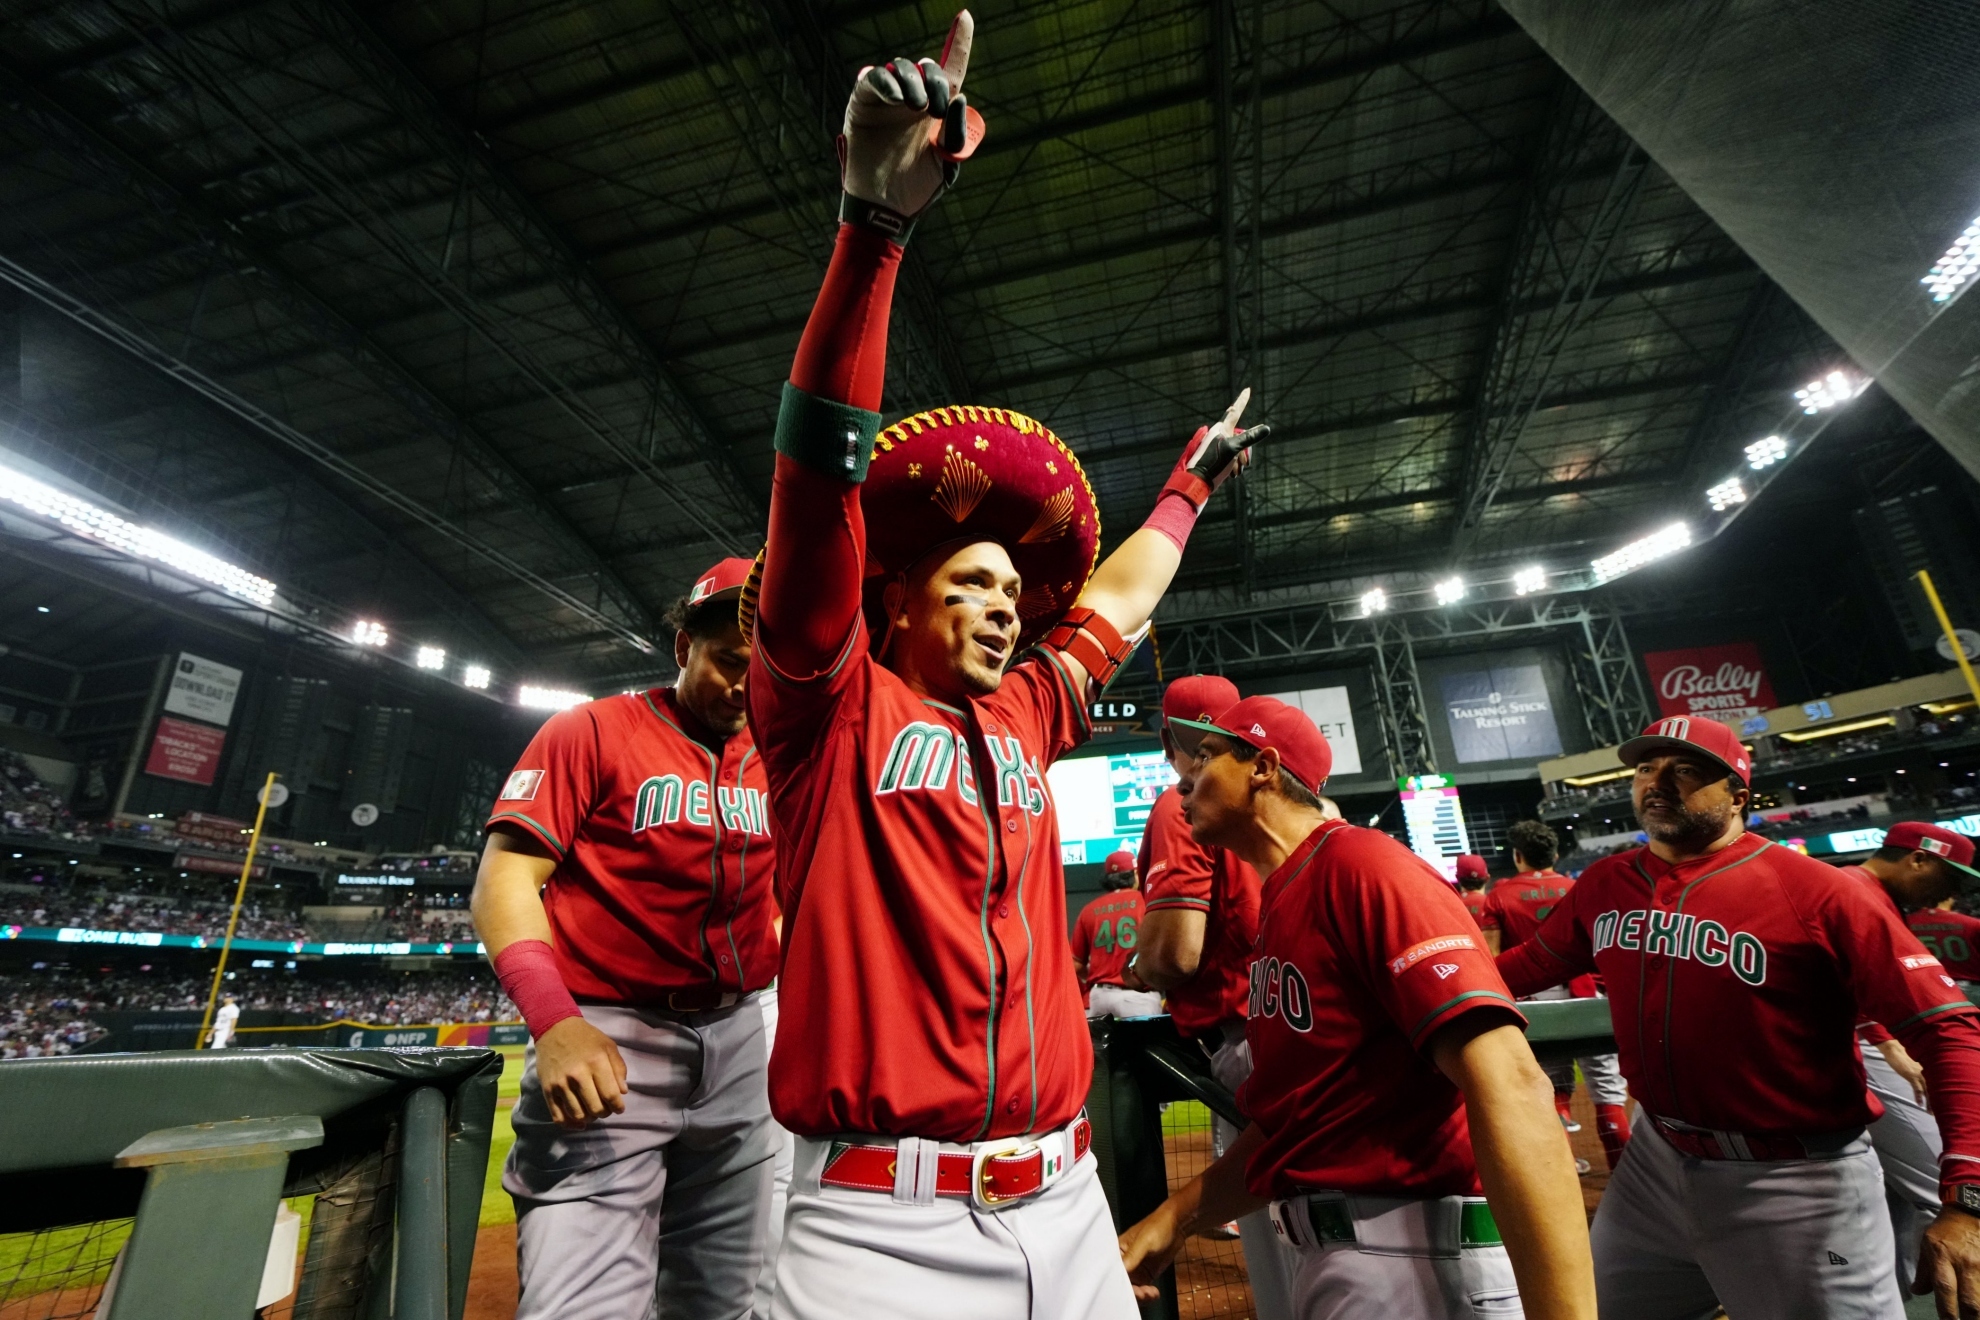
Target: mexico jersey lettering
<point>664,872</point>
<point>1754,953</point>
<point>924,899</point>
<point>1364,954</point>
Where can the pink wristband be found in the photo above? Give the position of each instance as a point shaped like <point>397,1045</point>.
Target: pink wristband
<point>528,972</point>
<point>1173,516</point>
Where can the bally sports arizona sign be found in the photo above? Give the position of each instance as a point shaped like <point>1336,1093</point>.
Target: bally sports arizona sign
<point>1726,682</point>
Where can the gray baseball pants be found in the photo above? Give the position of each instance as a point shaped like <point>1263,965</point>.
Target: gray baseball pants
<point>1267,1260</point>
<point>1678,1237</point>
<point>856,1255</point>
<point>1405,1264</point>
<point>662,1211</point>
<point>1117,1001</point>
<point>1906,1139</point>
<point>1602,1072</point>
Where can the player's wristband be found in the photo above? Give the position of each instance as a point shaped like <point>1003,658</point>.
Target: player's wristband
<point>871,215</point>
<point>1174,516</point>
<point>528,972</point>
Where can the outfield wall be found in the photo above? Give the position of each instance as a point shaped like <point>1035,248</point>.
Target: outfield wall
<point>140,1030</point>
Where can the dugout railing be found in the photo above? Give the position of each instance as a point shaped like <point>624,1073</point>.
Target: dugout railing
<point>157,1179</point>
<point>1142,1064</point>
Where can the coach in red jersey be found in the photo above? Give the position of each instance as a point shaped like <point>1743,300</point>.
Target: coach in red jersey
<point>934,1057</point>
<point>1105,936</point>
<point>1390,1076</point>
<point>625,898</point>
<point>1918,866</point>
<point>1737,970</point>
<point>1196,944</point>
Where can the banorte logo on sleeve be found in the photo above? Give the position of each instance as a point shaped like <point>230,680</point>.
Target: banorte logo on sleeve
<point>1416,953</point>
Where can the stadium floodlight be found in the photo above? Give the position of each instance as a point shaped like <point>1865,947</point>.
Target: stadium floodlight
<point>431,657</point>
<point>1529,580</point>
<point>1665,541</point>
<point>475,676</point>
<point>1955,265</point>
<point>1726,494</point>
<point>1450,591</point>
<point>367,633</point>
<point>1831,391</point>
<point>101,525</point>
<point>537,698</point>
<point>1374,601</point>
<point>1763,454</point>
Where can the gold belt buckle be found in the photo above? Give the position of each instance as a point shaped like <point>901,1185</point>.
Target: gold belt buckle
<point>980,1194</point>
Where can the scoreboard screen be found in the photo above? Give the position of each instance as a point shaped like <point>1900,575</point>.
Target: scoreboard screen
<point>1435,823</point>
<point>1103,802</point>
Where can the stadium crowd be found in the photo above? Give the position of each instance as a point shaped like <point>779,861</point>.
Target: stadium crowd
<point>50,1011</point>
<point>179,913</point>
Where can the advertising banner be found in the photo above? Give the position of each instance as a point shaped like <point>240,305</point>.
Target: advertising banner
<point>1726,682</point>
<point>1329,708</point>
<point>185,751</point>
<point>1501,714</point>
<point>204,689</point>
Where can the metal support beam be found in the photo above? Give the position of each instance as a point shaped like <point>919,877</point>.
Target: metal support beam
<point>1560,257</point>
<point>1399,692</point>
<point>1239,27</point>
<point>1606,674</point>
<point>246,261</point>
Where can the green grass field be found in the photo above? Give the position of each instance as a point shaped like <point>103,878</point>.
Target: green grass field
<point>496,1207</point>
<point>1185,1116</point>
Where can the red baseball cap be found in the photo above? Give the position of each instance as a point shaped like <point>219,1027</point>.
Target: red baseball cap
<point>1470,866</point>
<point>1690,733</point>
<point>1954,849</point>
<point>1268,722</point>
<point>1198,697</point>
<point>727,575</point>
<point>1118,861</point>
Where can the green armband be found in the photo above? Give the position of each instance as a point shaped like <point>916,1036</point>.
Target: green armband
<point>835,439</point>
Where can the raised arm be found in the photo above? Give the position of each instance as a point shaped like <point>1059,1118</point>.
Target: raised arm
<point>1558,952</point>
<point>906,125</point>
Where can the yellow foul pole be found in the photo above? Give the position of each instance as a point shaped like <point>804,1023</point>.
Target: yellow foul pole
<point>1952,638</point>
<point>234,918</point>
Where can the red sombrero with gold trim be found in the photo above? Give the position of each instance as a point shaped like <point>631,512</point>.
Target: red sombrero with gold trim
<point>961,474</point>
<point>956,475</point>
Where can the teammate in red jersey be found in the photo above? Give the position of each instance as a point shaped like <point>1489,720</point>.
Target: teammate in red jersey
<point>1952,937</point>
<point>1472,877</point>
<point>1736,972</point>
<point>1390,1076</point>
<point>1513,911</point>
<point>625,897</point>
<point>1918,866</point>
<point>1196,945</point>
<point>933,1057</point>
<point>1104,937</point>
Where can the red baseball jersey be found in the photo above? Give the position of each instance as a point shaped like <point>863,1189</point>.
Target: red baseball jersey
<point>1181,874</point>
<point>1736,980</point>
<point>1363,954</point>
<point>1105,935</point>
<point>1952,937</point>
<point>1517,905</point>
<point>928,987</point>
<point>1474,903</point>
<point>664,864</point>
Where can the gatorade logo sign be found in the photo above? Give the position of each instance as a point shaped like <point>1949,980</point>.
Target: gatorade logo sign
<point>1681,935</point>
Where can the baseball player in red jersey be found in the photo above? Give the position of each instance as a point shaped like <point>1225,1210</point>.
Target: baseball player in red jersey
<point>1737,971</point>
<point>1919,866</point>
<point>1390,1078</point>
<point>1103,939</point>
<point>1472,877</point>
<point>625,897</point>
<point>1951,937</point>
<point>934,1057</point>
<point>1513,911</point>
<point>1196,944</point>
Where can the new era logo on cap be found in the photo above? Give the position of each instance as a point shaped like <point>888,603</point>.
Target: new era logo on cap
<point>1260,731</point>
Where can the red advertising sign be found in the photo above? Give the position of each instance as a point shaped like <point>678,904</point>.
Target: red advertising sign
<point>1725,682</point>
<point>184,750</point>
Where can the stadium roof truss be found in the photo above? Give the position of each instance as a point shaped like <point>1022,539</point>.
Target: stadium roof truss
<point>474,314</point>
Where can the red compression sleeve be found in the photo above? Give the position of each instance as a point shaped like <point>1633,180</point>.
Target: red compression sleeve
<point>1947,1047</point>
<point>528,972</point>
<point>843,355</point>
<point>816,556</point>
<point>1174,517</point>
